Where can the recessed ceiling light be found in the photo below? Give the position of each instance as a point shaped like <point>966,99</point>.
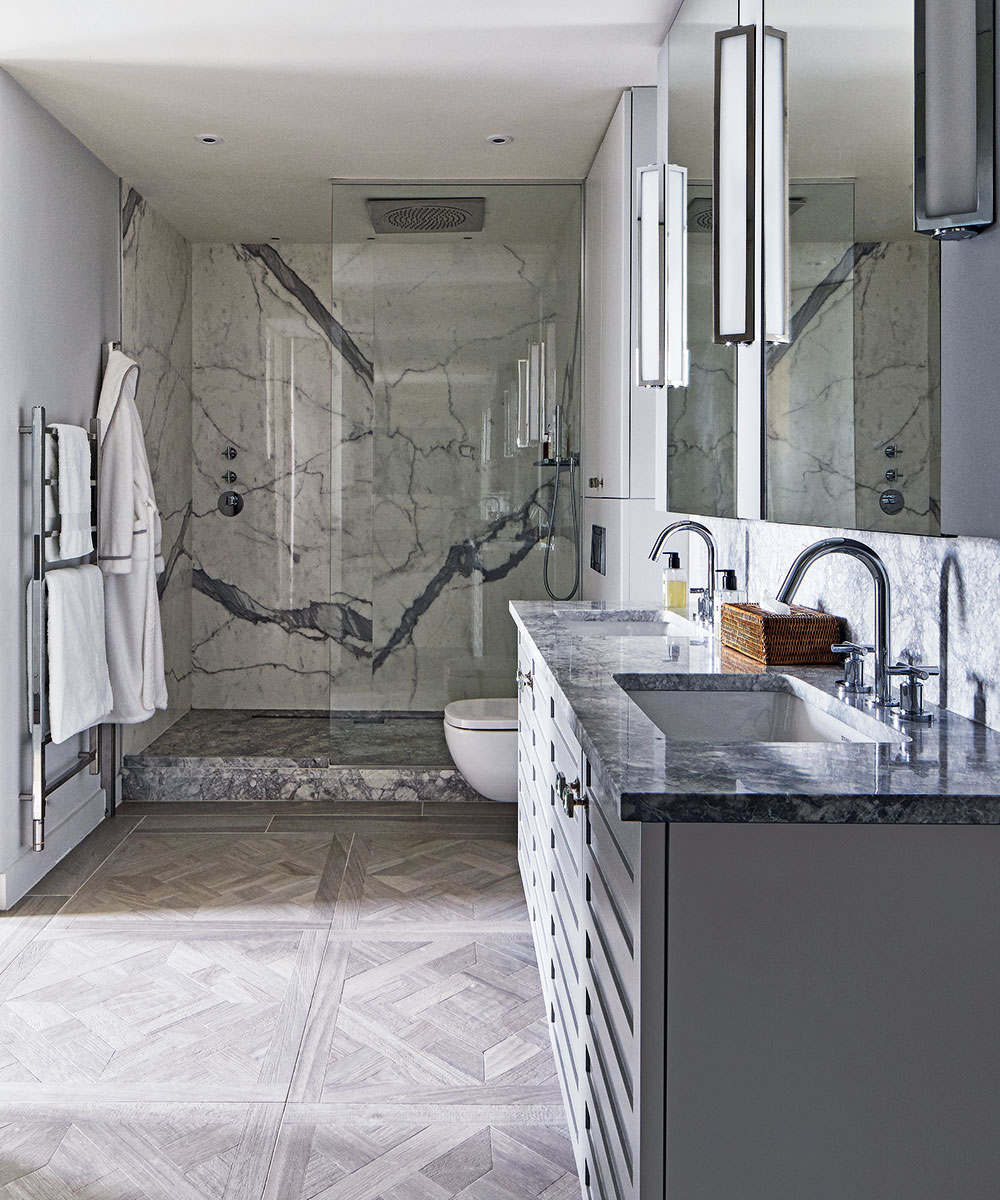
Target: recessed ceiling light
<point>209,139</point>
<point>499,139</point>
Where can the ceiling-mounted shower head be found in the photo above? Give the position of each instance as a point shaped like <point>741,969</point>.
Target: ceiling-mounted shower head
<point>452,214</point>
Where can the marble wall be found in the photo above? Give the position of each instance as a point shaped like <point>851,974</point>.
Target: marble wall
<point>156,332</point>
<point>389,515</point>
<point>943,598</point>
<point>861,371</point>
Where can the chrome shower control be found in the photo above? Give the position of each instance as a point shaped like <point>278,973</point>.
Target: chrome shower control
<point>229,476</point>
<point>853,683</point>
<point>230,504</point>
<point>911,691</point>
<point>230,452</point>
<point>892,450</point>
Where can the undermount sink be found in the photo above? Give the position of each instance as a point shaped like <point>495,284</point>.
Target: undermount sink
<point>744,716</point>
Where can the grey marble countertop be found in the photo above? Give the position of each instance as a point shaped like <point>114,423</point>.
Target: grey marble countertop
<point>947,772</point>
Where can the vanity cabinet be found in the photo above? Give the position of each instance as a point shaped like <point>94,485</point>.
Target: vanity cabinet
<point>595,889</point>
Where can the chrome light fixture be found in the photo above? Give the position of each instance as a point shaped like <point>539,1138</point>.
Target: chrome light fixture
<point>953,117</point>
<point>735,184</point>
<point>678,358</point>
<point>775,251</point>
<point>650,352</point>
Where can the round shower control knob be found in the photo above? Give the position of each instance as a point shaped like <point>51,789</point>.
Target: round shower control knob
<point>230,504</point>
<point>891,501</point>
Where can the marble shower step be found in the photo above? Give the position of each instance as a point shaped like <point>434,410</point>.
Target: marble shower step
<point>243,754</point>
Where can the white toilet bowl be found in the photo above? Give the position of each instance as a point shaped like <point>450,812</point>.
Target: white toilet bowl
<point>482,739</point>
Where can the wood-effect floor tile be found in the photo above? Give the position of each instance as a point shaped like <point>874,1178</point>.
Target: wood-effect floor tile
<point>136,1152</point>
<point>157,1014</point>
<point>69,875</point>
<point>444,1020</point>
<point>257,877</point>
<point>335,1160</point>
<point>406,877</point>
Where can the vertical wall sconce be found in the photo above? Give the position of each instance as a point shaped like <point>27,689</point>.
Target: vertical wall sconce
<point>536,390</point>
<point>735,184</point>
<point>678,358</point>
<point>650,352</point>
<point>953,118</point>
<point>777,306</point>
<point>523,410</point>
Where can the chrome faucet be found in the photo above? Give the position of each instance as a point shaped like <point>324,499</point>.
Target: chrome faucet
<point>706,601</point>
<point>880,577</point>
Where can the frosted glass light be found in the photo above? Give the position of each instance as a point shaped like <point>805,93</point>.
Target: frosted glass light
<point>652,270</point>
<point>677,358</point>
<point>734,183</point>
<point>777,322</point>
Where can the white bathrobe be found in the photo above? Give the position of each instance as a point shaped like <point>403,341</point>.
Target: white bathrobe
<point>129,552</point>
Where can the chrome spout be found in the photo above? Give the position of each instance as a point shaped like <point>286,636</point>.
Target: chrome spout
<point>706,602</point>
<point>880,578</point>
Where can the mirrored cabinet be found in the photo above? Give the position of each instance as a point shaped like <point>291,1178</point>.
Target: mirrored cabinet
<point>834,412</point>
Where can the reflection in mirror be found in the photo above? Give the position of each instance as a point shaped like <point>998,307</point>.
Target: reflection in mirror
<point>701,417</point>
<point>853,412</point>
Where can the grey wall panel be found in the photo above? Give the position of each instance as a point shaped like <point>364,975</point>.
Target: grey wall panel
<point>59,300</point>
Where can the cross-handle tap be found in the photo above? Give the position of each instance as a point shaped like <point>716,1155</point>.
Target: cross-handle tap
<point>706,598</point>
<point>911,690</point>
<point>853,682</point>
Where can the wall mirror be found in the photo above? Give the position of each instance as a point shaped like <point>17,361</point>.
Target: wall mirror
<point>701,418</point>
<point>853,399</point>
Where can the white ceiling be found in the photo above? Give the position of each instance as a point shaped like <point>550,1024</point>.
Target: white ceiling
<point>304,91</point>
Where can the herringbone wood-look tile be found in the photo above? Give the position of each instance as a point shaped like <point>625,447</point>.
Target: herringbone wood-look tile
<point>172,1015</point>
<point>133,1152</point>
<point>452,1020</point>
<point>396,877</point>
<point>257,877</point>
<point>334,1160</point>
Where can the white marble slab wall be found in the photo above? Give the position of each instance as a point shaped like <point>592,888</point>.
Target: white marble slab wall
<point>264,618</point>
<point>897,382</point>
<point>944,598</point>
<point>156,332</point>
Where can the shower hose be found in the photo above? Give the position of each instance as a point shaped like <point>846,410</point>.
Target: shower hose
<point>552,532</point>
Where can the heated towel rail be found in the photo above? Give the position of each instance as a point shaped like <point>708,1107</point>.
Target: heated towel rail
<point>41,785</point>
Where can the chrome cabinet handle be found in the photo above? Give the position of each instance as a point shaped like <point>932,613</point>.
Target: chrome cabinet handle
<point>524,679</point>
<point>570,794</point>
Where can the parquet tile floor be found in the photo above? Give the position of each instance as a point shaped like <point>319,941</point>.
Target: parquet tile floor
<point>224,1002</point>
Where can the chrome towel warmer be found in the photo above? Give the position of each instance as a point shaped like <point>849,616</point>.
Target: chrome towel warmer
<point>41,786</point>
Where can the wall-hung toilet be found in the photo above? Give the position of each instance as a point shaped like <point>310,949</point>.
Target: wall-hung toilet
<point>482,739</point>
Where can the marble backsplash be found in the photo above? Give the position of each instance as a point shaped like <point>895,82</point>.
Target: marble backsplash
<point>944,597</point>
<point>156,332</point>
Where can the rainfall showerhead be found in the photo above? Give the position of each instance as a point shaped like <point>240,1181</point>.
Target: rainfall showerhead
<point>450,214</point>
<point>700,212</point>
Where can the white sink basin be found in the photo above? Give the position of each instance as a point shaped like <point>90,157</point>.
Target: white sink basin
<point>670,625</point>
<point>746,717</point>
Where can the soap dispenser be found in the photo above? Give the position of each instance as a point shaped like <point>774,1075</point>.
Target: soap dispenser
<point>727,591</point>
<point>675,589</point>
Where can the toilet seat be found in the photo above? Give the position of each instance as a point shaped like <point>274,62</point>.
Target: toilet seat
<point>497,714</point>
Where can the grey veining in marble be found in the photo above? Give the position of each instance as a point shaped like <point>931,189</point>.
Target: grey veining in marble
<point>251,738</point>
<point>389,515</point>
<point>156,332</point>
<point>945,773</point>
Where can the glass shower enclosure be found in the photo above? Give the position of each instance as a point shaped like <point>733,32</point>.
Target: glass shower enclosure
<point>456,367</point>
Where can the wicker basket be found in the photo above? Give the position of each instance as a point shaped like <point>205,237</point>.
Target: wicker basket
<point>804,637</point>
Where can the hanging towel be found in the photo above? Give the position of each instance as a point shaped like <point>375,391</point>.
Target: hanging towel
<point>79,685</point>
<point>67,462</point>
<point>129,550</point>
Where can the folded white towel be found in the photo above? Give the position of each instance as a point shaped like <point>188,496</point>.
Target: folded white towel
<point>79,684</point>
<point>68,465</point>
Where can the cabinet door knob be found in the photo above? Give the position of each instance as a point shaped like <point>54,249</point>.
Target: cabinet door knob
<point>570,794</point>
<point>524,679</point>
<point>596,481</point>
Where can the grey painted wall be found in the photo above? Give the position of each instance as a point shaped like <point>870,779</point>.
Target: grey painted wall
<point>59,300</point>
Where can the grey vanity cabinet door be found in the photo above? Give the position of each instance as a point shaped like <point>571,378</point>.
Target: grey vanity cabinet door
<point>833,1000</point>
<point>625,890</point>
